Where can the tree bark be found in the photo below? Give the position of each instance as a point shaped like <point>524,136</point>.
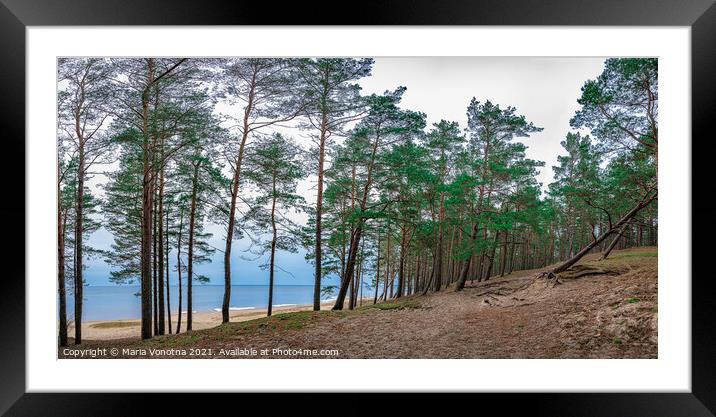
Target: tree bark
<point>377,268</point>
<point>319,214</point>
<point>79,229</point>
<point>147,191</point>
<point>190,248</point>
<point>401,263</point>
<point>614,242</point>
<point>387,265</point>
<point>503,254</point>
<point>438,266</point>
<point>491,258</point>
<point>273,248</point>
<point>166,265</point>
<point>160,251</point>
<point>360,286</point>
<point>61,285</point>
<point>179,236</point>
<point>466,266</point>
<point>155,273</point>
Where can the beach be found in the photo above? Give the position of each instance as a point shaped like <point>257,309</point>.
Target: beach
<point>127,328</point>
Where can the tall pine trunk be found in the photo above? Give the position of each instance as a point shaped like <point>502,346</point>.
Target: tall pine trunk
<point>155,273</point>
<point>179,236</point>
<point>147,191</point>
<point>387,266</point>
<point>79,228</point>
<point>61,285</point>
<point>160,252</point>
<point>232,205</point>
<point>273,248</point>
<point>190,249</point>
<point>503,254</point>
<point>166,265</point>
<point>401,265</point>
<point>319,215</point>
<point>377,268</point>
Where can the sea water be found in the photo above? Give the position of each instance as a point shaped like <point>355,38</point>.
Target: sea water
<point>117,302</point>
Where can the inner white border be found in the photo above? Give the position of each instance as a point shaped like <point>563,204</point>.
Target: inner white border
<point>670,372</point>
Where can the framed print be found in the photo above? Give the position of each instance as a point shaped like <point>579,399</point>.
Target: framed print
<point>458,198</point>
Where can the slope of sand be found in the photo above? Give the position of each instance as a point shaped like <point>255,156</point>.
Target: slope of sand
<point>119,329</point>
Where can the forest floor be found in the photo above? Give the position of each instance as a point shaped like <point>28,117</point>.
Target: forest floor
<point>597,309</point>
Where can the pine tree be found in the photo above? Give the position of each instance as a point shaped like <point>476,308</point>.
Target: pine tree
<point>333,101</point>
<point>275,169</point>
<point>384,125</point>
<point>490,130</point>
<point>270,91</point>
<point>82,111</point>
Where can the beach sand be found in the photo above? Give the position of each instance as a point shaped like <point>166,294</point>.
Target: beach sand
<point>119,329</point>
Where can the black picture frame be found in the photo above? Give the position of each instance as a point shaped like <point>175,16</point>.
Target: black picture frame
<point>699,15</point>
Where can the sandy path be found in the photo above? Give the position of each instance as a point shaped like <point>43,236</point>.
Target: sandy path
<point>600,316</point>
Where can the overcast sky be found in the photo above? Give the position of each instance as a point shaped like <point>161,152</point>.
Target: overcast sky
<point>544,90</point>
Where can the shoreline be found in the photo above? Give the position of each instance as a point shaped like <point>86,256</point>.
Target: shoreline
<point>201,319</point>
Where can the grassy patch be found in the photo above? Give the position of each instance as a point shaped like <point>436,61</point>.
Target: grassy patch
<point>294,320</point>
<point>636,254</point>
<point>114,324</point>
<point>294,315</point>
<point>617,341</point>
<point>342,313</point>
<point>397,305</point>
<point>188,339</point>
<point>286,321</point>
<point>174,340</point>
<point>632,300</point>
<point>293,324</point>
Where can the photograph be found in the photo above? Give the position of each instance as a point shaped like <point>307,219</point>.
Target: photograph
<point>344,207</point>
